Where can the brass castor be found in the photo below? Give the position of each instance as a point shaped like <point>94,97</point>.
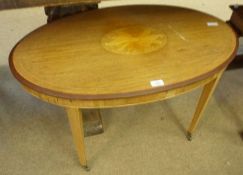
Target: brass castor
<point>189,136</point>
<point>86,168</point>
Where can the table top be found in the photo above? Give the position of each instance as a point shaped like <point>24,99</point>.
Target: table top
<point>123,52</point>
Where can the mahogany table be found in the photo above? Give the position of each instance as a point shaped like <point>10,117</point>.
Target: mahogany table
<point>236,22</point>
<point>13,4</point>
<point>123,56</point>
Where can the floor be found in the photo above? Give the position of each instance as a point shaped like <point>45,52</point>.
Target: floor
<point>35,137</point>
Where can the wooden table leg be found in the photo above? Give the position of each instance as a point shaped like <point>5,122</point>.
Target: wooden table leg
<point>202,103</point>
<point>76,123</point>
<point>93,124</point>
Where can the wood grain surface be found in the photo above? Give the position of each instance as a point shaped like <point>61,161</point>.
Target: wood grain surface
<point>11,4</point>
<point>67,59</point>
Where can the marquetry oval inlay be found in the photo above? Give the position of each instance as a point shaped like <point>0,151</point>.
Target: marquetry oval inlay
<point>134,40</point>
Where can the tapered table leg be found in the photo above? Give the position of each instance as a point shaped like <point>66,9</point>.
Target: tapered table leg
<point>202,103</point>
<point>76,124</point>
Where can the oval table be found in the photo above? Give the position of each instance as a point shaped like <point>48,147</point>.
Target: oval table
<point>123,56</point>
